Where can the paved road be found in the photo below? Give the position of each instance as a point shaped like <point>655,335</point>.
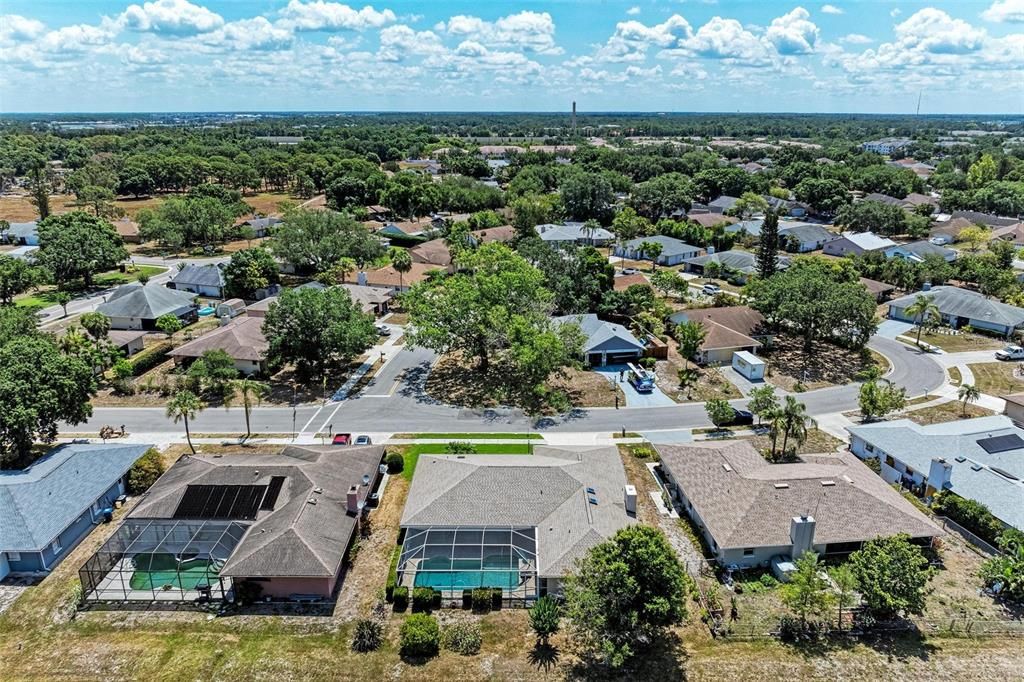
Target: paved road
<point>395,402</point>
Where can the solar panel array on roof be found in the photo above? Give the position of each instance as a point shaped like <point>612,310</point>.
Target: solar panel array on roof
<point>1001,443</point>
<point>273,490</point>
<point>238,502</point>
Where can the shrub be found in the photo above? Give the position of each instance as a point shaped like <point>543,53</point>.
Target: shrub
<point>972,515</point>
<point>460,447</point>
<point>648,363</point>
<point>420,636</point>
<point>147,359</point>
<point>467,599</point>
<point>768,580</point>
<point>400,597</point>
<point>496,596</point>
<point>422,598</point>
<point>389,588</point>
<point>481,600</point>
<point>145,471</point>
<point>395,463</point>
<point>544,617</point>
<point>462,638</point>
<point>368,635</point>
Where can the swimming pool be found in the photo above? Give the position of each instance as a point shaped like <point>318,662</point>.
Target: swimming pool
<point>465,574</point>
<point>154,571</point>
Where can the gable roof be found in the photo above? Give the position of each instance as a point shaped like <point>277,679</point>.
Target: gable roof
<point>38,503</point>
<point>983,218</point>
<point>623,282</point>
<point>974,472</point>
<point>922,248</point>
<point>876,288</point>
<point>739,261</point>
<point>868,241</point>
<point>952,227</point>
<point>367,297</point>
<point>546,491</point>
<point>388,276</point>
<point>970,304</point>
<point>200,275</point>
<point>728,327</point>
<point>806,233</point>
<point>571,232</point>
<point>599,332</point>
<point>434,252</point>
<point>295,538</point>
<point>145,301</point>
<point>724,202</point>
<point>733,489</point>
<point>242,338</point>
<point>711,219</point>
<point>670,246</point>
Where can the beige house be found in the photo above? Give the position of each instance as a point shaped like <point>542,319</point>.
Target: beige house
<point>242,339</point>
<point>729,330</point>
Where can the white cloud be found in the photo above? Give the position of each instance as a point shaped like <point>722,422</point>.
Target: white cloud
<point>397,42</point>
<point>249,34</point>
<point>177,17</point>
<point>633,11</point>
<point>856,39</point>
<point>932,30</point>
<point>15,28</point>
<point>793,33</point>
<point>528,31</point>
<point>633,38</point>
<point>831,9</point>
<point>727,39</point>
<point>318,15</point>
<point>1008,11</point>
<point>77,38</point>
<point>895,12</point>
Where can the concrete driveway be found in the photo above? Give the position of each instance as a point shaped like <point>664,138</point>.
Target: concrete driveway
<point>890,329</point>
<point>633,399</point>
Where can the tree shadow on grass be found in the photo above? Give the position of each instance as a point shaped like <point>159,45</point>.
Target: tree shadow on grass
<point>901,644</point>
<point>664,660</point>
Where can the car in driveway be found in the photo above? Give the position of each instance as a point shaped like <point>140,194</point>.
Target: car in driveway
<point>711,289</point>
<point>1011,352</point>
<point>342,439</point>
<point>383,330</point>
<point>630,271</point>
<point>363,440</point>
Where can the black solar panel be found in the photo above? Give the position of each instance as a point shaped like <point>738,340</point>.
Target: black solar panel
<point>236,502</point>
<point>273,490</point>
<point>1001,443</point>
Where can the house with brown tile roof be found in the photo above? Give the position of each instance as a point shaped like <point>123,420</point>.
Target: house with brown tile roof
<point>709,220</point>
<point>241,338</point>
<point>434,252</point>
<point>729,330</point>
<point>389,278</point>
<point>623,282</point>
<point>751,511</point>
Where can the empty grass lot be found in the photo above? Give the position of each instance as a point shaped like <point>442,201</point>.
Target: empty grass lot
<point>469,436</point>
<point>959,343</point>
<point>946,412</point>
<point>996,378</point>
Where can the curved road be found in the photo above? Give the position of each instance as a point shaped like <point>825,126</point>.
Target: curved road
<point>394,403</point>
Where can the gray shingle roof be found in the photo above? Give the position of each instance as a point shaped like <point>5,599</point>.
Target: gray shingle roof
<point>924,248</point>
<point>200,275</point>
<point>723,202</point>
<point>147,302</point>
<point>806,233</point>
<point>742,507</point>
<point>296,538</point>
<point>571,232</point>
<point>38,503</point>
<point>599,332</point>
<point>739,261</point>
<point>970,304</point>
<point>670,246</point>
<point>546,491</point>
<point>917,445</point>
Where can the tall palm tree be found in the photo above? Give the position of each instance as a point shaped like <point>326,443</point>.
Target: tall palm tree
<point>795,420</point>
<point>251,391</point>
<point>185,405</point>
<point>923,307</point>
<point>401,261</point>
<point>776,420</point>
<point>968,393</point>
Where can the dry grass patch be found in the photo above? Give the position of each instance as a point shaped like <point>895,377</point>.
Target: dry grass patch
<point>946,412</point>
<point>588,389</point>
<point>818,441</point>
<point>711,383</point>
<point>959,343</point>
<point>996,378</point>
<point>825,365</point>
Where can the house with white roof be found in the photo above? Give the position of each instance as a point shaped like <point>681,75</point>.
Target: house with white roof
<point>979,459</point>
<point>574,233</point>
<point>856,243</point>
<point>960,307</point>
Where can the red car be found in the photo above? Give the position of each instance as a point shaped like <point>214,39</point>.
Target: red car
<point>342,439</point>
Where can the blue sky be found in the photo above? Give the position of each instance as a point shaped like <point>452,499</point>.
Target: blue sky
<point>506,55</point>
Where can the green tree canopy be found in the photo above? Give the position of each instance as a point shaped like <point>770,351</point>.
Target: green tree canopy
<point>317,329</point>
<point>893,575</point>
<point>624,593</point>
<point>182,222</point>
<point>77,245</point>
<point>16,277</point>
<point>250,270</point>
<point>316,240</point>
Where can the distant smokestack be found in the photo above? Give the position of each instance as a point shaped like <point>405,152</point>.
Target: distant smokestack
<point>574,117</point>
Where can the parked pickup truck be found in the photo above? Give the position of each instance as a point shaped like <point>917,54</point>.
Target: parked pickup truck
<point>1010,353</point>
<point>342,439</point>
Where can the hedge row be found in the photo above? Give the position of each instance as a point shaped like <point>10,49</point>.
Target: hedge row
<point>149,358</point>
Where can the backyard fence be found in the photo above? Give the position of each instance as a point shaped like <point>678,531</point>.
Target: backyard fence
<point>951,525</point>
<point>958,627</point>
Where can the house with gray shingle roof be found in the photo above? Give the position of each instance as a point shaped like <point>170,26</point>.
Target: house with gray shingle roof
<point>292,515</point>
<point>978,459</point>
<point>47,508</point>
<point>605,343</point>
<point>204,280</point>
<point>573,233</point>
<point>673,251</point>
<point>139,306</point>
<point>518,522</point>
<point>916,252</point>
<point>751,511</point>
<point>960,307</point>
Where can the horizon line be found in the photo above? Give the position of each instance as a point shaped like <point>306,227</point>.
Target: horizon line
<point>505,112</point>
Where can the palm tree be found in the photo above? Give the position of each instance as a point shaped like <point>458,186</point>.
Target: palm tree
<point>923,307</point>
<point>344,267</point>
<point>401,261</point>
<point>968,393</point>
<point>795,420</point>
<point>185,405</point>
<point>250,390</point>
<point>776,420</point>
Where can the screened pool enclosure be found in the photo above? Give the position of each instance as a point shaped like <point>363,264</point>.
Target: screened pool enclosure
<point>172,560</point>
<point>455,559</point>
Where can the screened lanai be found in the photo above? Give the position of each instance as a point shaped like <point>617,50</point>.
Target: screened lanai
<point>162,560</point>
<point>455,559</point>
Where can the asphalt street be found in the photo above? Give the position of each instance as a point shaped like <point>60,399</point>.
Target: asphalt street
<point>395,402</point>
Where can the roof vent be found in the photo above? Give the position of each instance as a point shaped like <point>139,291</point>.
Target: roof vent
<point>780,486</point>
<point>975,467</point>
<point>828,483</point>
<point>591,499</point>
<point>726,466</point>
<point>847,478</point>
<point>318,490</point>
<point>311,500</point>
<point>961,459</point>
<point>366,479</point>
<point>1004,473</point>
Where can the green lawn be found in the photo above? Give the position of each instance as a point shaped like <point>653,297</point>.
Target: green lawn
<point>412,453</point>
<point>46,296</point>
<point>469,436</point>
